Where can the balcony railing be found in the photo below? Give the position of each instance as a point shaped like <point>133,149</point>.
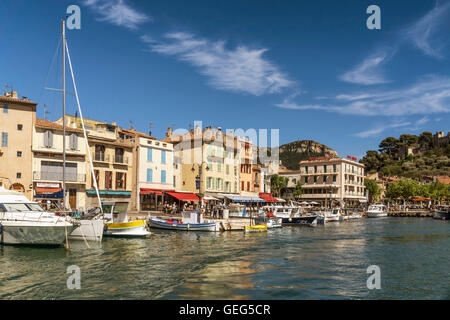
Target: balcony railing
<point>58,176</point>
<point>120,159</point>
<point>101,157</point>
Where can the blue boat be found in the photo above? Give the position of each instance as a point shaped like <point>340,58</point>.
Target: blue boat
<point>189,224</point>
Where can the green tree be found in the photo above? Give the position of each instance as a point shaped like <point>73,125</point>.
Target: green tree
<point>277,183</point>
<point>373,188</point>
<point>298,190</point>
<point>389,146</point>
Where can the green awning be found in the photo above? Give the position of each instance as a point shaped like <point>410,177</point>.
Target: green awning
<point>109,193</point>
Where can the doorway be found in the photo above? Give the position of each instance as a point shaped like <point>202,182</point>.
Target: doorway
<point>73,198</point>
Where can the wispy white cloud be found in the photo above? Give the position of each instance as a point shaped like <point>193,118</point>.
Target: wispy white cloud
<point>118,12</point>
<point>239,69</point>
<point>369,71</point>
<point>429,95</point>
<point>428,33</point>
<point>374,132</point>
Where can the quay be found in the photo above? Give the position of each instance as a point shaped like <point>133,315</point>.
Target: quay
<point>411,213</point>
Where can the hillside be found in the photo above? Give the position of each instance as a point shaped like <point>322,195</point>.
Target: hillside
<point>294,152</point>
<point>410,156</point>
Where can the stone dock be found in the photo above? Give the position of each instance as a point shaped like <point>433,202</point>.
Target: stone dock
<point>230,224</point>
<point>411,213</point>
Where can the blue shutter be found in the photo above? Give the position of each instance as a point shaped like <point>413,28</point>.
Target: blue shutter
<point>5,108</point>
<point>150,155</point>
<point>163,157</point>
<point>149,174</point>
<point>163,176</point>
<point>4,139</point>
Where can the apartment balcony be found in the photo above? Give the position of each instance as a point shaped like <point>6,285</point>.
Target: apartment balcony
<point>319,172</point>
<point>101,157</point>
<point>58,176</point>
<point>119,159</point>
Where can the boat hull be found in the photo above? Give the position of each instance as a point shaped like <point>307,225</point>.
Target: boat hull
<point>91,230</point>
<point>255,228</point>
<point>164,224</point>
<point>41,235</point>
<point>126,229</point>
<point>441,215</point>
<point>376,214</point>
<point>299,221</point>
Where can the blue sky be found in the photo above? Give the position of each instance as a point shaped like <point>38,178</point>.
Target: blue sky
<point>311,69</point>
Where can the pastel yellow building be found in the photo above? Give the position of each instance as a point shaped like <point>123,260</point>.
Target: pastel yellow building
<point>112,159</point>
<point>17,118</point>
<point>207,161</point>
<point>48,164</point>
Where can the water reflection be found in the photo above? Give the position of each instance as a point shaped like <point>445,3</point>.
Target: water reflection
<point>326,262</point>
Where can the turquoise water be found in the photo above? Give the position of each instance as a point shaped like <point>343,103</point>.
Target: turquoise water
<point>326,262</point>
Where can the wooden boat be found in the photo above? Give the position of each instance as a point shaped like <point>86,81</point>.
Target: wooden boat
<point>117,224</point>
<point>256,228</point>
<point>191,221</point>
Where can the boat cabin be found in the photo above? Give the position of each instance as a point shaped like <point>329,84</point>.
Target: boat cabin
<point>115,212</point>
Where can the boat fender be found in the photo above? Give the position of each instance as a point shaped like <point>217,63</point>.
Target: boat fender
<point>105,228</point>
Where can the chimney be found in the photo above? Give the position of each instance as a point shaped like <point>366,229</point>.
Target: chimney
<point>169,132</point>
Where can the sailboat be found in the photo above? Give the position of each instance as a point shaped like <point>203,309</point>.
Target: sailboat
<point>106,223</point>
<point>89,227</point>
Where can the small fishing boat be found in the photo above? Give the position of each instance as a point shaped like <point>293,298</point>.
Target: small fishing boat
<point>270,220</point>
<point>191,221</point>
<point>256,228</point>
<point>117,224</point>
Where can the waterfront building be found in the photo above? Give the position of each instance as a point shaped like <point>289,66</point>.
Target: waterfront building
<point>293,177</point>
<point>324,179</point>
<point>153,169</point>
<point>206,161</point>
<point>250,171</point>
<point>17,118</point>
<point>47,166</point>
<point>112,158</point>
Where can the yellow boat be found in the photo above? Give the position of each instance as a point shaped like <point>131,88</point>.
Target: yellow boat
<point>117,224</point>
<point>256,228</point>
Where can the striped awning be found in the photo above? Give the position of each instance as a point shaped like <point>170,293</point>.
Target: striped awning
<point>238,198</point>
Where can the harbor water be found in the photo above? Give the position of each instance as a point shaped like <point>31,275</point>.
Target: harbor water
<point>326,262</point>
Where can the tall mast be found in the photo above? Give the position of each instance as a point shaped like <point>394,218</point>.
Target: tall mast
<point>64,111</point>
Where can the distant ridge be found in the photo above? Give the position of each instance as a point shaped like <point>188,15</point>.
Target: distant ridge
<point>293,152</point>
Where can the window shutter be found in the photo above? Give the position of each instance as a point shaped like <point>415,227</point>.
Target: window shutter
<point>125,181</point>
<point>50,139</point>
<point>46,139</point>
<point>163,176</point>
<point>149,154</point>
<point>149,175</point>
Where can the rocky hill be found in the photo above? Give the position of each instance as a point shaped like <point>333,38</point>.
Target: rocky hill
<point>294,152</point>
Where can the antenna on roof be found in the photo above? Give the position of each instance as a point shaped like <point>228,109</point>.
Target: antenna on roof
<point>45,112</point>
<point>150,126</point>
<point>131,125</point>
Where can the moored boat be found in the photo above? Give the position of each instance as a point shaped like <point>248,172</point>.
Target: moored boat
<point>442,213</point>
<point>255,228</point>
<point>23,222</point>
<point>191,221</point>
<point>117,224</point>
<point>376,210</point>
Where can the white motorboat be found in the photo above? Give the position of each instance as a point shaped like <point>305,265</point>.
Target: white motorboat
<point>23,222</point>
<point>290,215</point>
<point>329,216</point>
<point>377,210</point>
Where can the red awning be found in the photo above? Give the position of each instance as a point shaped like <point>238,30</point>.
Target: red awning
<point>268,197</point>
<point>40,190</point>
<point>184,196</point>
<point>150,191</point>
